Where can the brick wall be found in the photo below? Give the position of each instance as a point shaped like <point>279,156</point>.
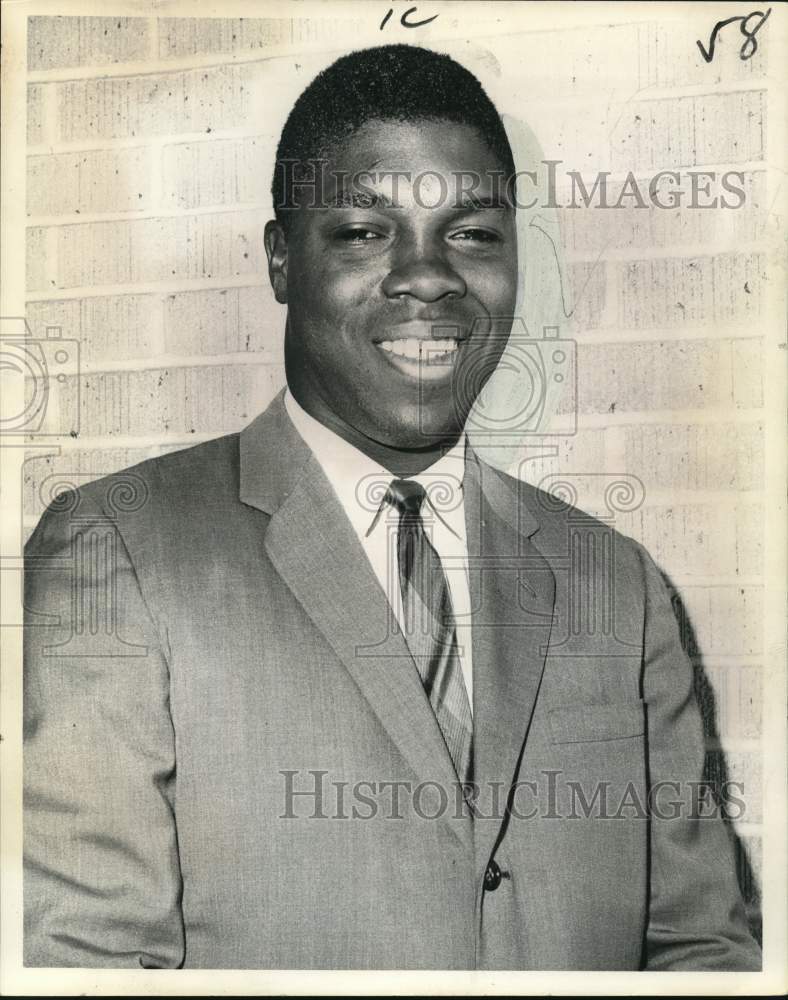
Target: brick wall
<point>149,159</point>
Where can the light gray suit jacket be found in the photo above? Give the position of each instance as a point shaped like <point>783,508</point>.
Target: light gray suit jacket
<point>204,633</point>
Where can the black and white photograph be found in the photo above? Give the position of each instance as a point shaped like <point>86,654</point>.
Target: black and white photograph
<point>393,442</point>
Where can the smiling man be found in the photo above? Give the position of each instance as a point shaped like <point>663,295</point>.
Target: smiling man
<point>332,716</point>
<point>394,241</point>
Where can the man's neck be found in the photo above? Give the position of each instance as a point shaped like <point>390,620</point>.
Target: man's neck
<point>401,462</point>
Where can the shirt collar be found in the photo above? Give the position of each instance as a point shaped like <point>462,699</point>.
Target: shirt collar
<point>360,483</point>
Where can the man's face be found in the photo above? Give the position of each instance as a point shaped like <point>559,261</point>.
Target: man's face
<point>398,310</point>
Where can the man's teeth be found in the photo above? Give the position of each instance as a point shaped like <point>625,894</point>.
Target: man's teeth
<point>426,350</point>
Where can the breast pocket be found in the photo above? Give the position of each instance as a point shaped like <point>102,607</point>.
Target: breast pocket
<point>597,722</point>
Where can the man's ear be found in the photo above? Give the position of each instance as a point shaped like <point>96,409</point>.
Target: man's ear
<point>276,251</point>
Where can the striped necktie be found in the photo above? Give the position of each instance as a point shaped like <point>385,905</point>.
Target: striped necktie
<point>428,622</point>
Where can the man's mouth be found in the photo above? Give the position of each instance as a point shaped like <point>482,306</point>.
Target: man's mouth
<point>425,351</point>
<point>424,360</point>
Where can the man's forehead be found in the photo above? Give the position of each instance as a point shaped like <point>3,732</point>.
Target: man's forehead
<point>386,165</point>
<point>376,190</point>
<point>420,144</point>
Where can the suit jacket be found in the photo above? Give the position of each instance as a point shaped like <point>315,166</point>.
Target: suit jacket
<point>206,640</point>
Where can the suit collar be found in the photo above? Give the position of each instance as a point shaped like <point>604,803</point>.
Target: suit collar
<point>274,455</point>
<point>511,500</point>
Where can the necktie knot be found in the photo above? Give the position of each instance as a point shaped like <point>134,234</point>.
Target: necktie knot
<point>406,495</point>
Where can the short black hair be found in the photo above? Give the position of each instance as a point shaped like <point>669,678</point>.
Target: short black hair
<point>389,82</point>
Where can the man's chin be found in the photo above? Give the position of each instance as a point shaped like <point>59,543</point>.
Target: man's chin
<point>422,431</point>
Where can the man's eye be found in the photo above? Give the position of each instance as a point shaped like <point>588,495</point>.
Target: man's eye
<point>477,236</point>
<point>357,236</point>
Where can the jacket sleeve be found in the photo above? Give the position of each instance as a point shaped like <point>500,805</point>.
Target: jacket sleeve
<point>696,915</point>
<point>102,881</point>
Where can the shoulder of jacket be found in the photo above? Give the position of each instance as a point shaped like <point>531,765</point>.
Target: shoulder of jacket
<point>557,517</point>
<point>178,479</point>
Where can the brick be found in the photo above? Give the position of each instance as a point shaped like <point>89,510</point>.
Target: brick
<point>697,291</point>
<point>747,371</point>
<point>60,42</point>
<point>576,137</point>
<point>686,456</point>
<point>56,413</point>
<point>666,375</point>
<point>35,114</point>
<point>750,538</point>
<point>707,129</point>
<point>37,267</point>
<point>224,321</point>
<point>730,697</point>
<point>99,180</point>
<point>217,172</point>
<point>578,454</point>
<point>647,225</point>
<point>196,100</point>
<point>738,282</point>
<point>568,61</point>
<point>720,620</point>
<point>211,399</point>
<point>731,127</point>
<point>45,477</point>
<point>195,36</point>
<point>113,327</point>
<point>588,283</point>
<point>180,37</point>
<point>707,539</point>
<point>660,292</point>
<point>221,245</point>
<point>749,223</point>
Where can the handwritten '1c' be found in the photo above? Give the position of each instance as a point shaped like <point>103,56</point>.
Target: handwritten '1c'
<point>404,19</point>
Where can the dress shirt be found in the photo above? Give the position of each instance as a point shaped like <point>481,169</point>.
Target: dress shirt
<point>360,484</point>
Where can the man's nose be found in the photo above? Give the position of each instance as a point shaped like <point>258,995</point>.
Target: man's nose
<point>426,276</point>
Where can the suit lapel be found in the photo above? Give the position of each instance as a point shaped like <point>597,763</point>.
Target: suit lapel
<point>512,594</point>
<point>314,548</point>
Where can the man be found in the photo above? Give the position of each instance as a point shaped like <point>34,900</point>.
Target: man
<point>306,696</point>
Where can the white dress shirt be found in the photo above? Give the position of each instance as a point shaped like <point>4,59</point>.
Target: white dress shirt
<point>360,484</point>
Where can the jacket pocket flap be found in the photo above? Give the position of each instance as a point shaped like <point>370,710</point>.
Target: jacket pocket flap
<point>586,723</point>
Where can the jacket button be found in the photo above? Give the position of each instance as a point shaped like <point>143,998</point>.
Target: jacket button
<point>492,877</point>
